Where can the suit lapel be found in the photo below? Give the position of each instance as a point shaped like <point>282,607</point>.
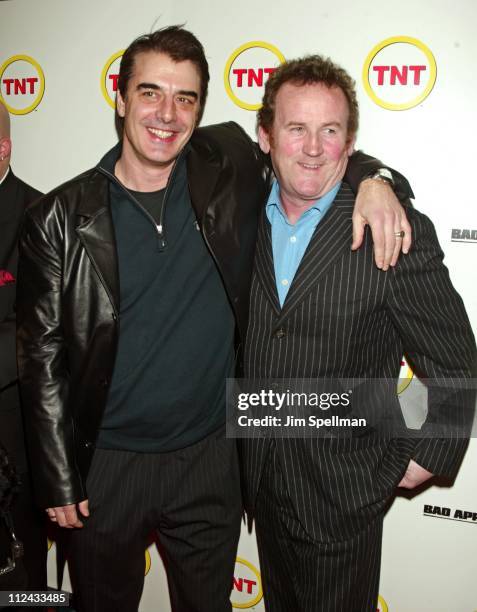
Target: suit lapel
<point>330,239</point>
<point>264,262</point>
<point>96,232</point>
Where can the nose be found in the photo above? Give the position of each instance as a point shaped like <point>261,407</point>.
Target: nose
<point>312,145</point>
<point>166,110</point>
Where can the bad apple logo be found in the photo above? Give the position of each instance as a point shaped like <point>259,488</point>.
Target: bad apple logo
<point>246,585</point>
<point>464,235</point>
<point>382,605</point>
<point>109,78</point>
<point>22,84</point>
<point>399,73</point>
<point>405,376</point>
<point>247,70</point>
<point>453,514</point>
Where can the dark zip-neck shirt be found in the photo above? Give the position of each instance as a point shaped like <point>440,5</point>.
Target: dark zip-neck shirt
<point>176,325</point>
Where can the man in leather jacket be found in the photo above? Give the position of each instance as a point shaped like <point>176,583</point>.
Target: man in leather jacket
<point>134,285</point>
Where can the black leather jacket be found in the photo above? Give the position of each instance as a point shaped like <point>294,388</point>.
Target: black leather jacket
<point>68,295</point>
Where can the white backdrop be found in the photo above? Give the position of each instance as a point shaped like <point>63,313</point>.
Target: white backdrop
<point>429,559</point>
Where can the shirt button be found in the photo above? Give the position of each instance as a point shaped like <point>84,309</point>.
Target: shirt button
<point>285,282</point>
<point>293,239</point>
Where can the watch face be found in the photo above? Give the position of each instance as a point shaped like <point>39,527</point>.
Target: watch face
<point>385,174</point>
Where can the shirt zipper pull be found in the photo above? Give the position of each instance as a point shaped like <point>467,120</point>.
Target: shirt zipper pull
<point>162,242</point>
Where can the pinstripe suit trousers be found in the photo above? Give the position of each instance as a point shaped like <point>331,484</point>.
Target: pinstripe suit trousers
<point>305,575</point>
<point>190,498</point>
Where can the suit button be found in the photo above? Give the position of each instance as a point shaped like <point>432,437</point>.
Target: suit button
<point>104,382</point>
<point>88,444</point>
<point>280,333</point>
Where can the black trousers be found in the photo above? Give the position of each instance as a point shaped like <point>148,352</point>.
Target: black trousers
<point>191,497</point>
<point>303,575</point>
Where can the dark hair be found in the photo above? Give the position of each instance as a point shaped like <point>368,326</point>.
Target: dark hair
<point>180,45</point>
<point>311,69</point>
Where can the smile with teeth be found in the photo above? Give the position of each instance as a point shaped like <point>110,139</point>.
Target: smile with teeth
<point>309,166</point>
<point>160,133</point>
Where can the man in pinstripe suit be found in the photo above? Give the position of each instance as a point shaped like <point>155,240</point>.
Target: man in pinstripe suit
<point>319,310</point>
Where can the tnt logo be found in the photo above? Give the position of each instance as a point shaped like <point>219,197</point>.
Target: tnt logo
<point>382,605</point>
<point>399,73</point>
<point>246,585</point>
<point>22,84</point>
<point>109,78</point>
<point>247,70</point>
<point>405,376</point>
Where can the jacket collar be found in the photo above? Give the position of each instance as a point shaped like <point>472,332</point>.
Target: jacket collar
<point>203,169</point>
<point>96,195</point>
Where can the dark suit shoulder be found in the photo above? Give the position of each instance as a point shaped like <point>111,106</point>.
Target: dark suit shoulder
<point>16,195</point>
<point>424,236</point>
<point>28,192</point>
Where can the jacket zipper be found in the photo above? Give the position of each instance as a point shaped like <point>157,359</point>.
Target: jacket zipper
<point>159,227</point>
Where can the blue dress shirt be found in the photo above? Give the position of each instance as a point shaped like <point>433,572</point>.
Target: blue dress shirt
<point>289,242</point>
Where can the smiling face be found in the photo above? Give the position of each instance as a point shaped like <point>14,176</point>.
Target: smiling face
<point>160,112</point>
<point>308,142</point>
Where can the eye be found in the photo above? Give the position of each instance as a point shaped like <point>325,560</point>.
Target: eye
<point>184,100</point>
<point>330,130</point>
<point>297,129</point>
<point>149,94</point>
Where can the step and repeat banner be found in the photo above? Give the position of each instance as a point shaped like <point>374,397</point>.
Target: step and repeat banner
<point>413,64</point>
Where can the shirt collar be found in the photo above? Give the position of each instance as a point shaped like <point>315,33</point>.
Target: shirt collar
<point>320,205</point>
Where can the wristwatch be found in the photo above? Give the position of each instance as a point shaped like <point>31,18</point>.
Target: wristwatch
<point>383,174</point>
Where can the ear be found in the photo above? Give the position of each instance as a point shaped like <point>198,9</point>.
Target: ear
<point>120,104</point>
<point>5,147</point>
<point>263,140</point>
<point>350,145</point>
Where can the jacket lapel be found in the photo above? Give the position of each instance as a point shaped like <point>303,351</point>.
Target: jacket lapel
<point>96,232</point>
<point>264,262</point>
<point>330,239</point>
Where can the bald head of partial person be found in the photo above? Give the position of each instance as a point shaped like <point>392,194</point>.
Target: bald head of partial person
<point>5,141</point>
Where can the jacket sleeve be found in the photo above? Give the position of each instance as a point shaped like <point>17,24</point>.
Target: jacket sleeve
<point>439,344</point>
<point>361,166</point>
<point>42,362</point>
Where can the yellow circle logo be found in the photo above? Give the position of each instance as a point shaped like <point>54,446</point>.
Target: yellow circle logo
<point>405,376</point>
<point>109,78</point>
<point>382,605</point>
<point>246,586</point>
<point>399,73</point>
<point>22,84</point>
<point>247,70</point>
<point>147,565</point>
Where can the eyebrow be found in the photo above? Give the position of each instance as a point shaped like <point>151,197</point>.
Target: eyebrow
<point>182,92</point>
<point>303,123</point>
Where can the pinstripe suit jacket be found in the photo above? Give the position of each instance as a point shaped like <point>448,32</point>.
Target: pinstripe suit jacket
<point>345,318</point>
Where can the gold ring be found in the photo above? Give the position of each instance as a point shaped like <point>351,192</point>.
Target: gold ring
<point>400,234</point>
